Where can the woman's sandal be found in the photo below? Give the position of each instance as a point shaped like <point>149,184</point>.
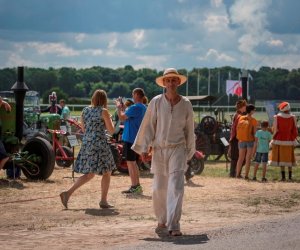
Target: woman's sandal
<point>64,199</point>
<point>104,204</point>
<point>175,233</point>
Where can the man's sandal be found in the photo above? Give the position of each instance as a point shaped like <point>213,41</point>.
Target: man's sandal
<point>161,230</point>
<point>175,233</point>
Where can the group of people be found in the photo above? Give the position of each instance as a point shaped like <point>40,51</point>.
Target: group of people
<point>163,131</point>
<point>247,143</point>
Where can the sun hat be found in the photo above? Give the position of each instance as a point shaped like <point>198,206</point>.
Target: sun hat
<point>170,72</point>
<point>284,106</point>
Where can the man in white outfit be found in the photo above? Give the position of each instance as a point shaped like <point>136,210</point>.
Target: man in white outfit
<point>168,130</point>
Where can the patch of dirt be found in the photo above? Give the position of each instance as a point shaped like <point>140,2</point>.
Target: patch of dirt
<point>32,216</point>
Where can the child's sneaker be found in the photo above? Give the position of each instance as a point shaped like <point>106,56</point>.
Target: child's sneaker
<point>264,180</point>
<point>254,178</point>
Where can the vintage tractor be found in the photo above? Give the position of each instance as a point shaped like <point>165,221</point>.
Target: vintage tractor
<point>35,156</point>
<point>212,134</point>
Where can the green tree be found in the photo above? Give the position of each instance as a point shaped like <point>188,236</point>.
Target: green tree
<point>119,89</point>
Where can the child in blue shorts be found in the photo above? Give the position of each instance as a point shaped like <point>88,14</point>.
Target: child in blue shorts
<point>261,149</point>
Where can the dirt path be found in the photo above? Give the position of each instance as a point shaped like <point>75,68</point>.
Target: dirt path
<point>32,216</point>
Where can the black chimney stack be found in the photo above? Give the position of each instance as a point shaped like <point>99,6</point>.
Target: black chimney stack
<point>244,79</point>
<point>19,89</point>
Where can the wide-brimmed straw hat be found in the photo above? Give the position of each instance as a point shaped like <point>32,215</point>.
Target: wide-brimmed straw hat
<point>170,72</point>
<point>284,106</point>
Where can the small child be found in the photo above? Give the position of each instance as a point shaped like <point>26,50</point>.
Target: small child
<point>261,148</point>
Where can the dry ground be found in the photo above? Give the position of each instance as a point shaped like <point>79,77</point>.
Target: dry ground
<point>32,216</point>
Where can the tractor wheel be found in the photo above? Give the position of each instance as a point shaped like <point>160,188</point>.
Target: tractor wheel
<point>196,165</point>
<point>61,162</point>
<point>41,154</point>
<point>208,125</point>
<point>42,135</point>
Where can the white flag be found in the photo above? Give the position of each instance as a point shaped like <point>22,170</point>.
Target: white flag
<point>234,87</point>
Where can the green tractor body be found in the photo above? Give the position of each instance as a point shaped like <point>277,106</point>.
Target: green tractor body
<point>35,156</point>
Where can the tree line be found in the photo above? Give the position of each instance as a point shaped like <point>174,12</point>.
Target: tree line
<point>76,84</point>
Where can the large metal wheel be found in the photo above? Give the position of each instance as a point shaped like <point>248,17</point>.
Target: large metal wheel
<point>208,125</point>
<point>196,165</point>
<point>61,162</point>
<point>40,161</point>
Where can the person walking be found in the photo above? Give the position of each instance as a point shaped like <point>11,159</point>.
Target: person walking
<point>283,144</point>
<point>132,117</point>
<point>233,150</point>
<point>95,156</point>
<point>245,131</point>
<point>168,128</point>
<point>261,149</point>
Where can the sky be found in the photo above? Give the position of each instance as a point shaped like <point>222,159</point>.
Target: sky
<point>150,33</point>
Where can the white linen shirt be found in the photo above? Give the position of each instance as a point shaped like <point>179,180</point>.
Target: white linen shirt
<point>165,126</point>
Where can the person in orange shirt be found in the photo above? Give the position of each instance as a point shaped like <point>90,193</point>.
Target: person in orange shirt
<point>233,151</point>
<point>246,141</point>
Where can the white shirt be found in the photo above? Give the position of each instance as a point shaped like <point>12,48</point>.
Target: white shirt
<point>165,126</point>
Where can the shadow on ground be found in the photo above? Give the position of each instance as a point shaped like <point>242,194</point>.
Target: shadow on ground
<point>181,240</point>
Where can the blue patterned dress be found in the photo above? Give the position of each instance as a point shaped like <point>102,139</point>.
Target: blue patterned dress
<point>95,155</point>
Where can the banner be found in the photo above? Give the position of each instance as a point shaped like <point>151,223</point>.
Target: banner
<point>234,87</point>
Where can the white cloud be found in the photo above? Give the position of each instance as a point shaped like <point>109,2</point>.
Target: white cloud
<point>152,61</point>
<point>275,43</point>
<point>60,49</point>
<point>138,38</point>
<point>80,37</point>
<point>15,59</point>
<point>213,54</point>
<point>113,42</point>
<point>214,23</point>
<point>216,3</point>
<point>251,17</point>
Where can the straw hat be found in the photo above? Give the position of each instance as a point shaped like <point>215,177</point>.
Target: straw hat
<point>170,72</point>
<point>284,106</point>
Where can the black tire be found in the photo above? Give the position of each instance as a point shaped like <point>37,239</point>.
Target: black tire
<point>61,162</point>
<point>43,149</point>
<point>196,165</point>
<point>42,135</point>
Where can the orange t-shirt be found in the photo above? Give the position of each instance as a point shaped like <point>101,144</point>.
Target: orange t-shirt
<point>247,135</point>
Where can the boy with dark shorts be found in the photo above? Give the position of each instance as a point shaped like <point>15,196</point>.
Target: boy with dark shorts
<point>261,149</point>
<point>132,118</point>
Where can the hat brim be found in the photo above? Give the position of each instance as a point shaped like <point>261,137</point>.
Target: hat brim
<point>160,80</point>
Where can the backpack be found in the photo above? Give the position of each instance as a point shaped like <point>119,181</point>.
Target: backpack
<point>244,129</point>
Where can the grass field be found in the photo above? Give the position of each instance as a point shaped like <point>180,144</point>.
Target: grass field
<point>215,169</point>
